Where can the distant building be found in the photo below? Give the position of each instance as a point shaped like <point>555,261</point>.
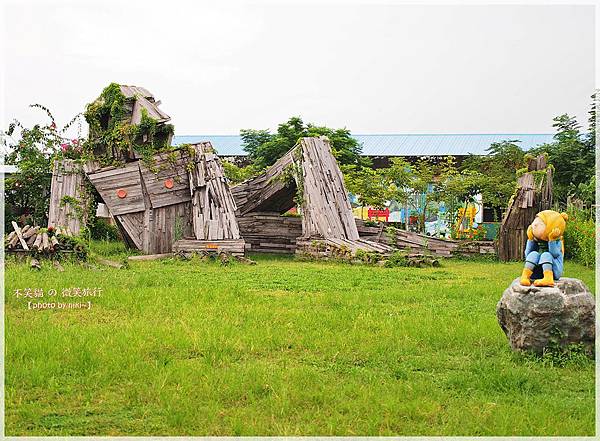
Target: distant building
<point>382,147</point>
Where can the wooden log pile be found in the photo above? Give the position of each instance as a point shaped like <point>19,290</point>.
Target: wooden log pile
<point>270,232</point>
<point>532,196</point>
<point>415,242</point>
<point>273,233</point>
<point>310,174</point>
<point>34,240</point>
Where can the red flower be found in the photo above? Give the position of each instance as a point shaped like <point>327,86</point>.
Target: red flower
<point>64,147</point>
<point>53,125</point>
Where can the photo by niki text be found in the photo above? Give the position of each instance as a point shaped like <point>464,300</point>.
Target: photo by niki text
<point>53,299</point>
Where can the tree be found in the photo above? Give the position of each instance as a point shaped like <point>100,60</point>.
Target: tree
<point>368,185</point>
<point>500,170</point>
<point>264,148</point>
<point>459,188</point>
<point>399,175</point>
<point>572,154</point>
<point>238,174</point>
<point>27,191</point>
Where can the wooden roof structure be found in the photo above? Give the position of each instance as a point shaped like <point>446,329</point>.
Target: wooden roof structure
<point>137,102</point>
<point>143,100</point>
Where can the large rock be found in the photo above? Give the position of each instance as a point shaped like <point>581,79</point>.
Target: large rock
<point>532,317</point>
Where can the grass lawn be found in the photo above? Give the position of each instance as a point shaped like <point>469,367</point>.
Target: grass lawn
<point>281,348</point>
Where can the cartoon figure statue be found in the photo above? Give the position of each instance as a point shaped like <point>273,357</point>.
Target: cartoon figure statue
<point>544,253</point>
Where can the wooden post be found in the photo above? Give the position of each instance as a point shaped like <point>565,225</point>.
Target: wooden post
<point>529,199</point>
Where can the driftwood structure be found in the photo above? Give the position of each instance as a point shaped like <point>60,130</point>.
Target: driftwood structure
<point>172,200</point>
<point>213,208</point>
<point>533,194</point>
<point>326,209</point>
<point>420,243</point>
<point>68,196</point>
<point>150,209</point>
<point>177,202</point>
<point>307,176</point>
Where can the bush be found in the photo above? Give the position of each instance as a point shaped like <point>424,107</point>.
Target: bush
<point>580,237</point>
<point>102,230</point>
<point>396,259</point>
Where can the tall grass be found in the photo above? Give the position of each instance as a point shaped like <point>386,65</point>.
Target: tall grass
<point>282,348</point>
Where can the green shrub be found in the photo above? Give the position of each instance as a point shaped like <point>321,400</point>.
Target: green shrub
<point>100,229</point>
<point>397,258</point>
<point>580,237</point>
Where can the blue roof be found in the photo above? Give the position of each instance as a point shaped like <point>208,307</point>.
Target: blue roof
<point>396,145</point>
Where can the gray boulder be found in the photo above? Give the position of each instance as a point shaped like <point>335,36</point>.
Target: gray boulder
<point>532,318</point>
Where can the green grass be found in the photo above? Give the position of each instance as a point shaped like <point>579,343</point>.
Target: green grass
<point>281,348</point>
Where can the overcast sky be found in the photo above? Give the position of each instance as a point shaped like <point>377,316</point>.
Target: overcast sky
<point>371,68</point>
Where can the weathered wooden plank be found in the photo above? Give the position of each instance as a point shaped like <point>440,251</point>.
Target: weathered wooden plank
<point>235,247</point>
<point>167,183</point>
<point>529,199</point>
<point>213,207</point>
<point>20,236</point>
<point>133,224</point>
<point>67,180</point>
<point>150,257</point>
<point>109,182</point>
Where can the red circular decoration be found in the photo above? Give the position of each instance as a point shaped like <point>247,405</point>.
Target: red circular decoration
<point>169,183</point>
<point>121,193</point>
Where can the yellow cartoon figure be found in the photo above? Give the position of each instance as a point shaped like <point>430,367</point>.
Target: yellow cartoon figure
<point>544,253</point>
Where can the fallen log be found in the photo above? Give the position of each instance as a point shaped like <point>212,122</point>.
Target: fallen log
<point>150,257</point>
<point>38,242</point>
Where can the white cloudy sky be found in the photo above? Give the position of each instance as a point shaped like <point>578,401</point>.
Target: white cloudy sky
<point>386,68</point>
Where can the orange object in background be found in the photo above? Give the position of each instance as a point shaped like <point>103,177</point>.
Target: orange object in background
<point>169,183</point>
<point>121,193</point>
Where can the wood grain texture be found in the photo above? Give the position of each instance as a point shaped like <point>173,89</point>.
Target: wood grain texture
<point>67,180</point>
<point>326,210</point>
<point>235,247</point>
<point>168,166</point>
<point>267,192</point>
<point>213,205</point>
<point>530,198</point>
<point>110,179</point>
